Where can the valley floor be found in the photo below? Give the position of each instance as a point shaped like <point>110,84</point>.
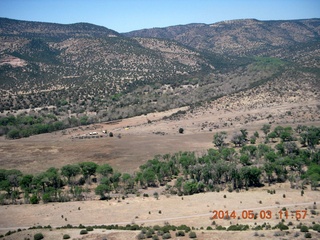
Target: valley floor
<point>138,139</point>
<point>194,210</point>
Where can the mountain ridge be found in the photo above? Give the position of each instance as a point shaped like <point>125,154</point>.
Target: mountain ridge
<point>12,27</point>
<point>84,70</point>
<point>238,37</point>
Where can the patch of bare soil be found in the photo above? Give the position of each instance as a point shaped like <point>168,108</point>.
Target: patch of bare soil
<point>13,61</point>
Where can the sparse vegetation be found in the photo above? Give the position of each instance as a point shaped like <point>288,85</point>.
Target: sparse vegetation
<point>38,236</point>
<point>180,233</point>
<point>89,228</point>
<point>166,236</point>
<point>56,86</point>
<point>239,227</point>
<point>219,138</point>
<point>192,235</point>
<point>304,229</point>
<point>308,235</point>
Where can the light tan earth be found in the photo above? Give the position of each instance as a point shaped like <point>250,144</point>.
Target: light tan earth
<point>195,210</point>
<point>13,61</point>
<point>141,139</point>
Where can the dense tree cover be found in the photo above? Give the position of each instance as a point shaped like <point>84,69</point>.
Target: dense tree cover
<point>26,125</point>
<point>184,173</point>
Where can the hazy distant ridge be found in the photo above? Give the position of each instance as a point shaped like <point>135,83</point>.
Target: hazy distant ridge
<point>11,27</point>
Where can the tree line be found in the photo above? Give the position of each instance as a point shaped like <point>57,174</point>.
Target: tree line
<point>224,167</point>
<point>14,127</point>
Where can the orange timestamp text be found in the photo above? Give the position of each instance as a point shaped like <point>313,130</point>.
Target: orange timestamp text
<point>261,214</point>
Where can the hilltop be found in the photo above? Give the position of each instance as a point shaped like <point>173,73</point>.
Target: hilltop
<point>29,29</point>
<point>239,37</point>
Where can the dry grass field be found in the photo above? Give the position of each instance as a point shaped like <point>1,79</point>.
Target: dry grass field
<point>193,211</point>
<point>137,140</point>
